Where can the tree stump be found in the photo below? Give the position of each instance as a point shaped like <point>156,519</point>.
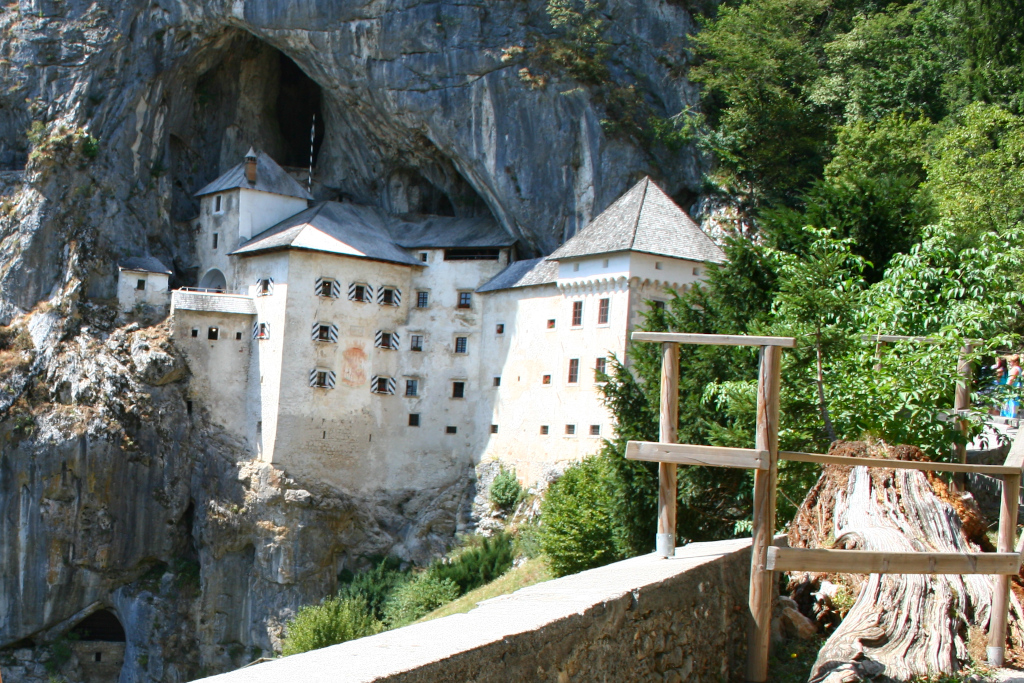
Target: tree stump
<point>900,625</point>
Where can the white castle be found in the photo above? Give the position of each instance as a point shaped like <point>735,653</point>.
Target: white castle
<point>372,351</point>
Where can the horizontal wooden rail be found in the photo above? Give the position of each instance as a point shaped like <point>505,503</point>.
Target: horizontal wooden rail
<point>713,339</point>
<point>1015,458</point>
<point>899,464</point>
<point>687,454</point>
<point>877,562</point>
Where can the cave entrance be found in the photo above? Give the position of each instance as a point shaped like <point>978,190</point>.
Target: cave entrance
<point>99,642</point>
<point>298,102</point>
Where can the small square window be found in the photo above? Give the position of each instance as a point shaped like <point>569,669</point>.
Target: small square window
<point>213,333</point>
<point>451,430</point>
<point>499,328</point>
<point>423,256</point>
<point>544,430</point>
<point>551,323</point>
<point>321,379</point>
<point>657,265</point>
<point>458,389</point>
<point>264,287</point>
<point>381,386</point>
<point>359,293</point>
<point>461,344</point>
<point>422,299</point>
<point>416,342</point>
<point>388,297</point>
<point>195,332</point>
<point>696,271</point>
<point>216,239</point>
<point>595,430</point>
<point>140,285</point>
<point>325,287</point>
<point>602,311</point>
<point>546,379</point>
<point>497,381</point>
<point>414,419</point>
<point>494,429</point>
<point>263,331</point>
<point>412,387</point>
<point>238,336</point>
<point>570,430</point>
<point>577,313</point>
<point>574,370</point>
<point>323,333</point>
<point>658,305</point>
<point>465,299</point>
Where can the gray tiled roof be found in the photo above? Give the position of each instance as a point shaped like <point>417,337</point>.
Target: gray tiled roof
<point>439,232</point>
<point>527,273</point>
<point>143,264</point>
<point>214,303</point>
<point>269,178</point>
<point>348,229</point>
<point>643,219</point>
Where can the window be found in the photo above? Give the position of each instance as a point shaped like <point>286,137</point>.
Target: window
<point>412,387</point>
<point>575,267</point>
<point>546,379</point>
<point>324,332</point>
<point>218,204</point>
<point>595,430</point>
<point>570,430</point>
<point>657,265</point>
<point>458,389</point>
<point>389,296</point>
<point>414,419</point>
<point>188,407</point>
<point>216,239</point>
<point>382,385</point>
<point>577,313</point>
<point>386,340</point>
<point>461,344</point>
<point>551,323</point>
<point>602,311</point>
<point>451,430</point>
<point>98,657</point>
<point>494,429</point>
<point>140,284</point>
<point>321,379</point>
<point>195,332</point>
<point>600,367</point>
<point>472,254</point>
<point>327,287</point>
<point>423,256</point>
<point>544,430</point>
<point>696,271</point>
<point>213,333</point>
<point>238,336</point>
<point>422,299</point>
<point>261,331</point>
<point>360,292</point>
<point>497,381</point>
<point>574,370</point>
<point>499,328</point>
<point>604,264</point>
<point>465,299</point>
<point>416,342</point>
<point>264,286</point>
<point>658,305</point>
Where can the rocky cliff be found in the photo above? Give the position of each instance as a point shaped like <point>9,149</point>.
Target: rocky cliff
<point>112,493</point>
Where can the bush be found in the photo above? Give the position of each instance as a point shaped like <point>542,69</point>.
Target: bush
<point>505,490</point>
<point>576,531</point>
<point>374,585</point>
<point>527,541</point>
<point>418,597</point>
<point>335,620</point>
<point>478,564</point>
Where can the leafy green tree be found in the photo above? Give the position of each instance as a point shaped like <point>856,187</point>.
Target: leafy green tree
<point>335,620</point>
<point>417,598</point>
<point>576,532</point>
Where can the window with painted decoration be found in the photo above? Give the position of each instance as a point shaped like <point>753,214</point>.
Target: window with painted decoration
<point>574,370</point>
<point>577,314</point>
<point>386,340</point>
<point>359,291</point>
<point>382,385</point>
<point>321,378</point>
<point>389,296</point>
<point>327,288</point>
<point>603,307</point>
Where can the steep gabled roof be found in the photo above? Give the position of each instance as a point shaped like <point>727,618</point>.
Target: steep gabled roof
<point>526,273</point>
<point>643,219</point>
<point>143,264</point>
<point>269,178</point>
<point>443,232</point>
<point>347,229</point>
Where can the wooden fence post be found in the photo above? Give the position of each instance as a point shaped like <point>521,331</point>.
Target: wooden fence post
<point>767,439</point>
<point>962,401</point>
<point>1001,589</point>
<point>665,541</point>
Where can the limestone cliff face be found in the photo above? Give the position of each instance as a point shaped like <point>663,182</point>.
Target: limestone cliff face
<point>111,493</point>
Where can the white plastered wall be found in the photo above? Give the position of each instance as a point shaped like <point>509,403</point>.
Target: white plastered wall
<point>154,292</point>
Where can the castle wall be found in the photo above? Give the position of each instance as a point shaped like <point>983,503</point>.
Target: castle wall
<point>154,294</point>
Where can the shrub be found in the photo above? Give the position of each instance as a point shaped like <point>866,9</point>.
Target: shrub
<point>335,620</point>
<point>505,490</point>
<point>576,531</point>
<point>374,585</point>
<point>480,563</point>
<point>527,541</point>
<point>418,597</point>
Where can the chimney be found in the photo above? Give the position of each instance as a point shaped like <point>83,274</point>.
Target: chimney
<point>250,166</point>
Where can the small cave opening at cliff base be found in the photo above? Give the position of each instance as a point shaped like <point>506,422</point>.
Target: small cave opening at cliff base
<point>99,642</point>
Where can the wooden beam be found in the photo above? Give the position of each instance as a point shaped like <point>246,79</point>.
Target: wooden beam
<point>665,540</point>
<point>994,470</point>
<point>878,562</point>
<point>762,580</point>
<point>961,402</point>
<point>996,649</point>
<point>1015,458</point>
<point>688,454</point>
<point>713,339</point>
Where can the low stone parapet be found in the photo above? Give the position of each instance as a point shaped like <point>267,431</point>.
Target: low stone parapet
<point>214,302</point>
<point>643,619</point>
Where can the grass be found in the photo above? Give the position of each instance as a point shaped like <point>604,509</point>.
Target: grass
<point>531,572</point>
<point>792,659</point>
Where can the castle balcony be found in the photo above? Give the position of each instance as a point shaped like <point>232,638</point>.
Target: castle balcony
<point>212,301</point>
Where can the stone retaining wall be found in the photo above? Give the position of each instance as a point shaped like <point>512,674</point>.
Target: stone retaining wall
<point>643,619</point>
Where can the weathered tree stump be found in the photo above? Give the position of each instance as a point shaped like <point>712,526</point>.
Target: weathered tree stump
<point>900,625</point>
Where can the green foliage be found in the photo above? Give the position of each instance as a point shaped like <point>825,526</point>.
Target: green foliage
<point>60,143</point>
<point>527,541</point>
<point>374,585</point>
<point>418,597</point>
<point>60,653</point>
<point>576,533</point>
<point>481,561</point>
<point>506,492</point>
<point>335,620</point>
<point>582,46</point>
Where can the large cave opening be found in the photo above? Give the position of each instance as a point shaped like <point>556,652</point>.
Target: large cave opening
<point>298,113</point>
<point>99,644</point>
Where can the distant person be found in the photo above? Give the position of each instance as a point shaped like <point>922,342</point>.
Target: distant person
<point>999,375</point>
<point>1012,381</point>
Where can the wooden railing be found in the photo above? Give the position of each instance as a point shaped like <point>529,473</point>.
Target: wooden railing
<point>763,459</point>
